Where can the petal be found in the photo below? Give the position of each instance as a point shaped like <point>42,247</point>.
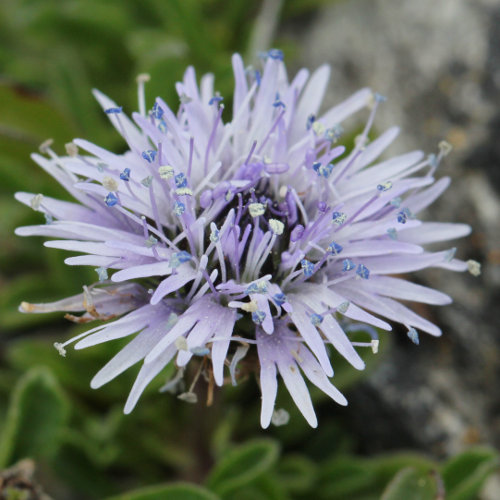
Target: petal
<point>147,373</point>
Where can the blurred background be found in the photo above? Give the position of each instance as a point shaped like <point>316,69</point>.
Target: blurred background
<point>420,420</point>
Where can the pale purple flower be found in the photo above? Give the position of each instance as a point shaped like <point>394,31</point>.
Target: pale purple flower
<point>264,232</point>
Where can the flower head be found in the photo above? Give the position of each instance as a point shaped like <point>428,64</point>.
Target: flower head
<point>209,236</point>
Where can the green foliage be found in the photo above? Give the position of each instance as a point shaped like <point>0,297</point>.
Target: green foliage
<point>242,466</point>
<point>52,53</point>
<point>36,417</point>
<point>178,491</point>
<point>465,474</point>
<point>412,485</point>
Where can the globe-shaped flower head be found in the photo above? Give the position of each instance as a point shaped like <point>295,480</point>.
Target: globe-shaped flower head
<point>210,238</point>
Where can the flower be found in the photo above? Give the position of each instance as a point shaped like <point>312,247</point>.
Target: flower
<point>210,237</point>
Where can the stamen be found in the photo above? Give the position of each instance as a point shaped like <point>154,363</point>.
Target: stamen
<point>111,200</point>
<point>179,208</point>
<point>71,149</point>
<point>363,272</point>
<point>307,267</point>
<point>256,209</point>
<point>339,218</point>
<point>279,299</point>
<point>450,254</point>
<point>323,170</point>
<point>239,354</point>
<point>280,417</point>
<point>166,172</point>
<point>316,319</point>
<point>215,99</point>
<point>179,258</point>
<point>392,233</point>
<point>60,349</point>
<point>102,273</point>
<point>445,148</point>
<point>147,181</point>
<point>404,215</point>
<point>413,335</point>
<point>45,146</point>
<point>36,201</point>
<point>141,98</point>
<point>348,265</point>
<point>335,248</point>
<point>114,111</point>
<point>342,307</point>
<point>474,267</point>
<point>157,111</point>
<point>385,186</point>
<point>109,183</point>
<point>149,155</point>
<point>258,317</point>
<point>125,175</point>
<point>275,54</point>
<point>276,226</point>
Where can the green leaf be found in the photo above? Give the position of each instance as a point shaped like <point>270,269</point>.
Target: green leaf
<point>345,477</point>
<point>179,491</point>
<point>37,414</point>
<point>464,474</point>
<point>296,473</point>
<point>410,484</point>
<point>243,465</point>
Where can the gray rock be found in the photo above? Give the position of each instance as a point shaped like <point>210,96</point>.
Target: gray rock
<point>438,62</point>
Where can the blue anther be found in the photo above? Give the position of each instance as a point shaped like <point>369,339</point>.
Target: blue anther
<point>385,186</point>
<point>179,258</point>
<point>308,267</point>
<point>335,248</point>
<point>323,170</point>
<point>258,317</point>
<point>279,298</point>
<point>316,319</point>
<point>259,287</point>
<point>348,265</point>
<point>180,181</point>
<point>215,100</point>
<point>413,335</point>
<point>179,208</point>
<point>278,103</point>
<point>157,111</point>
<point>125,175</point>
<point>404,215</point>
<point>149,155</point>
<point>339,218</point>
<point>333,134</point>
<point>111,199</point>
<point>310,120</point>
<point>275,54</point>
<point>162,126</point>
<point>379,98</point>
<point>113,111</point>
<point>363,272</point>
<point>258,77</point>
<point>48,218</point>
